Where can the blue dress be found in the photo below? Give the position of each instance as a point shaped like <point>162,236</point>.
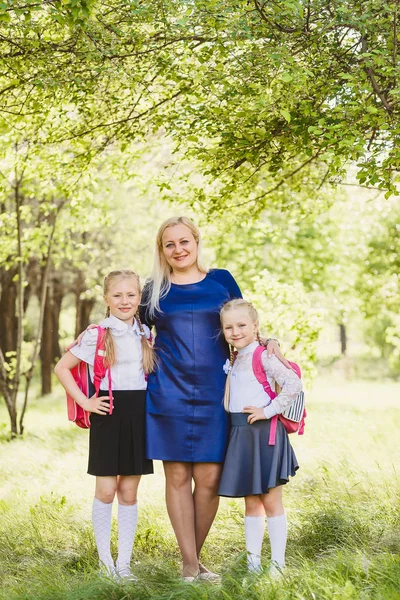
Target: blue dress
<point>186,421</point>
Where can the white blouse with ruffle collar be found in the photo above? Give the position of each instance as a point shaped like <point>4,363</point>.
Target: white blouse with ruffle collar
<point>127,373</point>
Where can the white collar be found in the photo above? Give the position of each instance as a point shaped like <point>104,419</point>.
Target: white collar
<point>249,348</point>
<point>119,327</point>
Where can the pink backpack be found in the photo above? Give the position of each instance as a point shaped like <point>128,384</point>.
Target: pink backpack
<point>293,417</point>
<point>82,377</point>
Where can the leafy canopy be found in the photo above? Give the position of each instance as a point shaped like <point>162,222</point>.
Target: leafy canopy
<point>271,98</point>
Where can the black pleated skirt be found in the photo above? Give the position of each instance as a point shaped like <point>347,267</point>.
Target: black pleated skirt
<point>251,466</point>
<point>117,442</point>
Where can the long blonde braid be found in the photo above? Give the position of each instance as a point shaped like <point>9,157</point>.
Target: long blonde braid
<point>232,357</point>
<point>110,356</point>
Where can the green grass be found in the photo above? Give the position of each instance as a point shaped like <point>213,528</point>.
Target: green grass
<point>343,508</point>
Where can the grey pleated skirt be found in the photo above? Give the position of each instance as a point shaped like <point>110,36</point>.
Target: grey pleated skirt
<point>251,466</point>
<point>117,442</point>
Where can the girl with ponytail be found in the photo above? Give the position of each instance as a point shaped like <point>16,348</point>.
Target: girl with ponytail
<point>117,455</point>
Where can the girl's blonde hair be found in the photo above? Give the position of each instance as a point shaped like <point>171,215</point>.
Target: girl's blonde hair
<point>147,349</point>
<point>160,279</point>
<point>253,314</point>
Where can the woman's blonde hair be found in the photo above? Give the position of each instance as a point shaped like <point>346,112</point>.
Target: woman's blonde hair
<point>147,349</point>
<point>160,279</point>
<point>253,314</point>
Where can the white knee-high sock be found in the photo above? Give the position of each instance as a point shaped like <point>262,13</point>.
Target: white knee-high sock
<point>277,529</point>
<point>101,517</point>
<point>254,532</point>
<point>127,521</point>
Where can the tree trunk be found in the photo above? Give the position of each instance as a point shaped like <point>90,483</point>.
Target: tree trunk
<point>83,306</point>
<point>8,396</point>
<point>13,421</point>
<point>8,330</point>
<point>43,296</point>
<point>58,295</point>
<point>15,325</point>
<point>50,347</point>
<point>343,338</point>
<point>19,304</point>
<point>46,347</point>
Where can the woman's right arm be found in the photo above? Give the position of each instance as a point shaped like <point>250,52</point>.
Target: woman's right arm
<point>78,340</point>
<point>63,373</point>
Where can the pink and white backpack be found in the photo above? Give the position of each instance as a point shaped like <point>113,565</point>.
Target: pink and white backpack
<point>292,418</point>
<point>82,377</point>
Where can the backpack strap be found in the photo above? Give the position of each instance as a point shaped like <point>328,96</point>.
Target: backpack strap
<point>99,368</point>
<point>259,372</point>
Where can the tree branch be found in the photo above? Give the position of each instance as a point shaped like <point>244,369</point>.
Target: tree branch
<point>374,83</point>
<point>366,187</point>
<point>263,16</point>
<point>325,177</point>
<point>19,7</point>
<point>281,182</point>
<point>371,139</point>
<point>307,27</point>
<point>120,121</point>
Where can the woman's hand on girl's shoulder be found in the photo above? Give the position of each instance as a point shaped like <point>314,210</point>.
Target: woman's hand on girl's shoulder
<point>99,405</point>
<point>255,414</point>
<point>78,340</point>
<point>273,348</point>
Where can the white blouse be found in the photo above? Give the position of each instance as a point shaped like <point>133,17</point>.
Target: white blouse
<point>245,389</point>
<point>127,373</point>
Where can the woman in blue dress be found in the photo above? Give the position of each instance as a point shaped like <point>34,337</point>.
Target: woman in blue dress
<point>187,427</point>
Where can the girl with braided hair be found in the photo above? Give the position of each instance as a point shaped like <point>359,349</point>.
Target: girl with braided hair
<point>253,468</point>
<point>117,455</point>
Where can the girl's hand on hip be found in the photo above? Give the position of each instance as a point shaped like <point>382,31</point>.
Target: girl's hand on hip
<point>99,405</point>
<point>78,340</point>
<point>255,414</point>
<point>274,348</point>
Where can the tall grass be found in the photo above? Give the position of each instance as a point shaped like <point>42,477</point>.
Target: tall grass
<point>343,509</point>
